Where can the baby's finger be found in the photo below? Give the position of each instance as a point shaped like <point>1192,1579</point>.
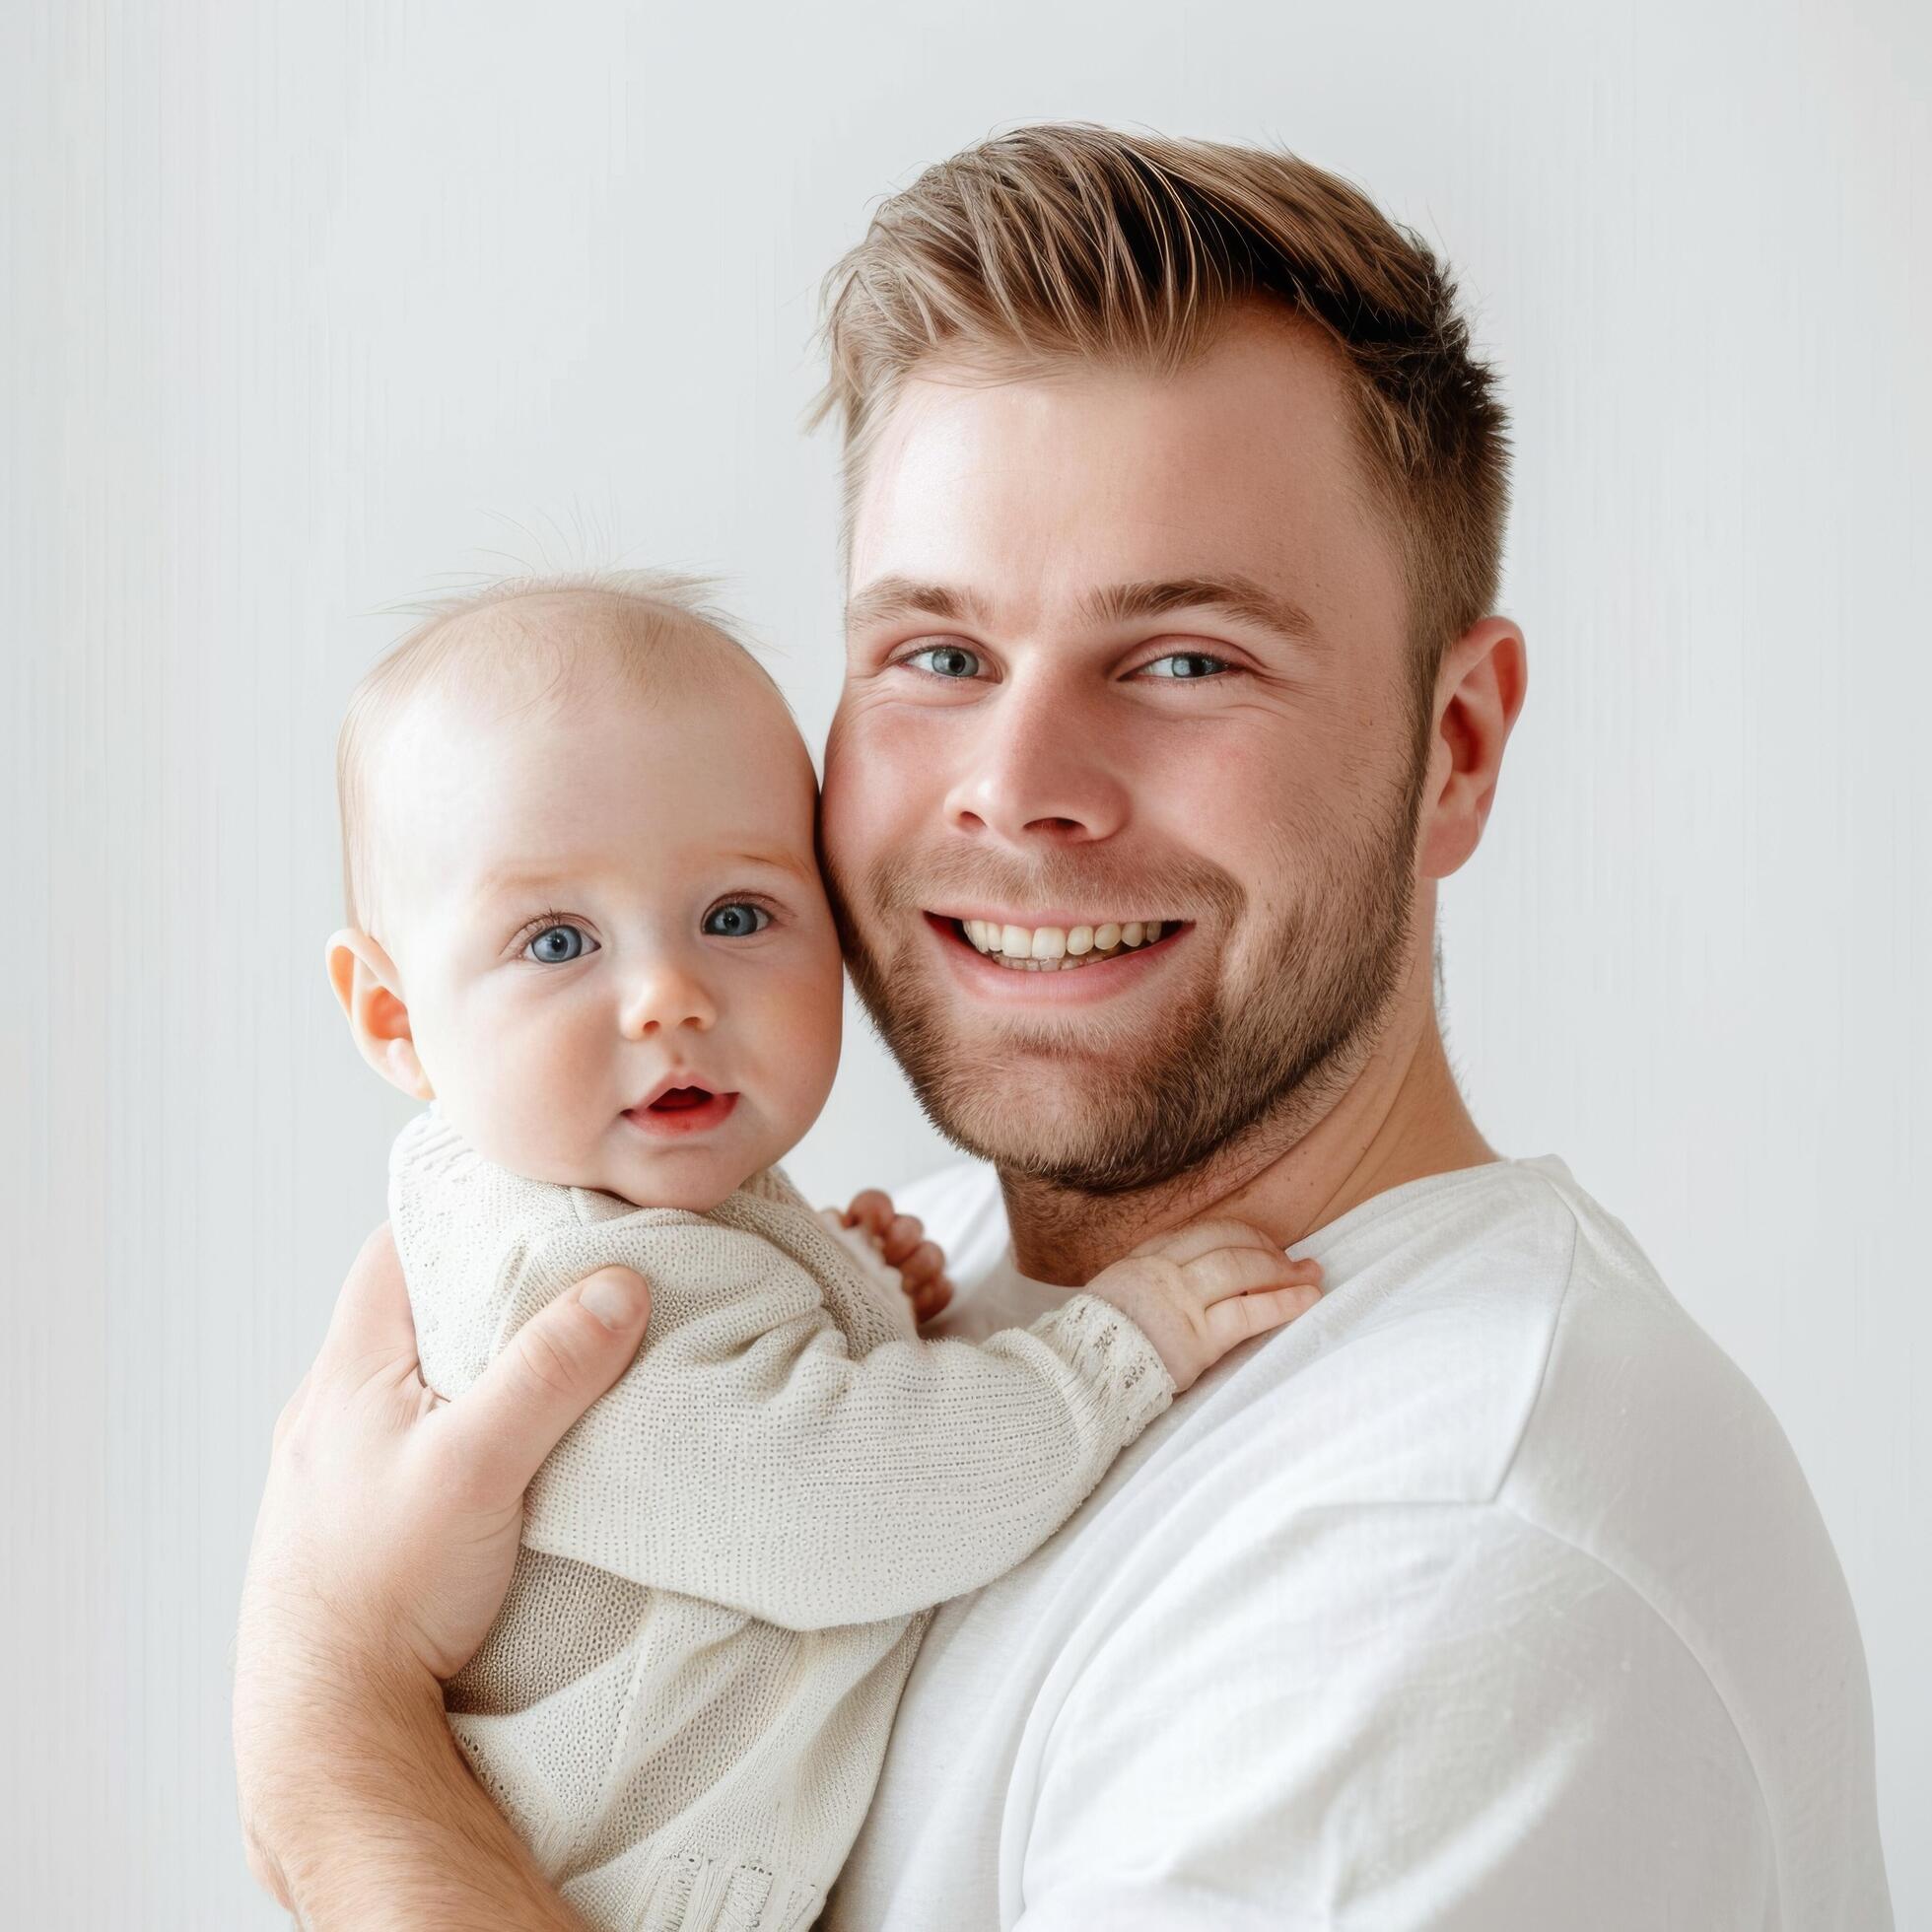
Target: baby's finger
<point>871,1209</point>
<point>1224,1272</point>
<point>925,1264</point>
<point>1197,1238</point>
<point>1239,1317</point>
<point>930,1299</point>
<point>902,1236</point>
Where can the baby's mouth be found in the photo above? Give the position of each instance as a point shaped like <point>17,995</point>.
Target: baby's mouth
<point>679,1110</point>
<point>679,1099</point>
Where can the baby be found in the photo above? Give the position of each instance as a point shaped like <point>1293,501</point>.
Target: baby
<point>588,925</point>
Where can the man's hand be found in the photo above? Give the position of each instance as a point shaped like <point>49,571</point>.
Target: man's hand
<point>899,1238</point>
<point>387,1530</point>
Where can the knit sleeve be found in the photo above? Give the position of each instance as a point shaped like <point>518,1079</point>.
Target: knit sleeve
<point>747,1458</point>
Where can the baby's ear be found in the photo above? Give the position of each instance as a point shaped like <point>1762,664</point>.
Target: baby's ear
<point>370,990</point>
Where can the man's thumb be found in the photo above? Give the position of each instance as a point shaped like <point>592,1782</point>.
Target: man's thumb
<point>549,1372</point>
<point>618,1298</point>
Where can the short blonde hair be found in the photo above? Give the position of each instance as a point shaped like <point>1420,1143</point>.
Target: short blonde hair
<point>1071,241</point>
<point>660,609</point>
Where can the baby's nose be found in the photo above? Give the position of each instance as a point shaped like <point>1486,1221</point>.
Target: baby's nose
<point>665,998</point>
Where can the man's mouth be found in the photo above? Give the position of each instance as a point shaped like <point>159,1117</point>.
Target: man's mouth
<point>1061,948</point>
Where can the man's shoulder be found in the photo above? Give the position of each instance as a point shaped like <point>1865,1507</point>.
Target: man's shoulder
<point>1417,1378</point>
<point>1501,1424</point>
<point>1493,1335</point>
<point>1498,1336</point>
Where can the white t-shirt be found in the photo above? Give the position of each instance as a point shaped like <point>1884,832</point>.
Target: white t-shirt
<point>1487,1595</point>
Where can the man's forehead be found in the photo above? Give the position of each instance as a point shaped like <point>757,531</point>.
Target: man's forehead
<point>1236,483</point>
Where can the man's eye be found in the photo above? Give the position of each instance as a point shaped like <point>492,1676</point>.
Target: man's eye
<point>945,660</point>
<point>737,921</point>
<point>557,946</point>
<point>1186,665</point>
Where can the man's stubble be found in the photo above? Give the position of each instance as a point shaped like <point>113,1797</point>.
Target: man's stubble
<point>1275,1009</point>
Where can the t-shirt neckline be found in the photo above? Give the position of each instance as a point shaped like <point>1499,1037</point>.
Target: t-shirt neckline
<point>1364,1213</point>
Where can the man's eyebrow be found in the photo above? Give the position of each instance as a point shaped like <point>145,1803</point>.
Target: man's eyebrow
<point>888,598</point>
<point>1238,598</point>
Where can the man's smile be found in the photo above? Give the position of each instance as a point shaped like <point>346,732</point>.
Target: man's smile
<point>1056,949</point>
<point>1009,946</point>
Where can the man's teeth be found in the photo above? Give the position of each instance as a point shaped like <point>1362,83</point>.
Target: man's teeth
<point>1059,948</point>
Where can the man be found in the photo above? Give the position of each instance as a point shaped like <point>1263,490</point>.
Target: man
<point>1487,1595</point>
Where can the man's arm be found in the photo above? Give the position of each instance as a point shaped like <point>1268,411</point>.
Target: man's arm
<point>376,1821</point>
<point>1402,1716</point>
<point>388,1530</point>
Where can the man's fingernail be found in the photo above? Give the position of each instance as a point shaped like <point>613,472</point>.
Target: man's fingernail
<point>614,1299</point>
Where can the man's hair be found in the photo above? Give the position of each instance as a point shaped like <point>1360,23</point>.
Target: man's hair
<point>658,611</point>
<point>1071,241</point>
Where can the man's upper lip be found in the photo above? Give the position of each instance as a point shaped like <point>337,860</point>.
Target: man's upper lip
<point>669,1084</point>
<point>1085,917</point>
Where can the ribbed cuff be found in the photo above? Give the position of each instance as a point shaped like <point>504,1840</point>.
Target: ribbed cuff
<point>1112,1352</point>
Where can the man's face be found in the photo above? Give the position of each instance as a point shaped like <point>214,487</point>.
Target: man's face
<point>1125,651</point>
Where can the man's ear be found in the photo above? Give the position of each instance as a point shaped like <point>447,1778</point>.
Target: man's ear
<point>370,990</point>
<point>1478,696</point>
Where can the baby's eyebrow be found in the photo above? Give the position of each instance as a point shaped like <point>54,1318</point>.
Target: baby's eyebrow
<point>508,879</point>
<point>783,862</point>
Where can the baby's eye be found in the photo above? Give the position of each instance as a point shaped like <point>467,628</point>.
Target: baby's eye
<point>557,946</point>
<point>1185,664</point>
<point>945,660</point>
<point>737,921</point>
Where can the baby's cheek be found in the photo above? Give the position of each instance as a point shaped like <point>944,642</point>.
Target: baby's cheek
<point>537,1107</point>
<point>802,1054</point>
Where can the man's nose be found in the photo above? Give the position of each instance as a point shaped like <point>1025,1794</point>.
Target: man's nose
<point>664,997</point>
<point>1040,764</point>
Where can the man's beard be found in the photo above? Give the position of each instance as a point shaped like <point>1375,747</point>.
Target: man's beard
<point>1099,1105</point>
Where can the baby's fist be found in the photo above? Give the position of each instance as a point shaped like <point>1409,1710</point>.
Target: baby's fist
<point>900,1240</point>
<point>1205,1288</point>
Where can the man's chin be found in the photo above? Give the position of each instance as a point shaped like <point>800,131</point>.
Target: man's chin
<point>1022,1127</point>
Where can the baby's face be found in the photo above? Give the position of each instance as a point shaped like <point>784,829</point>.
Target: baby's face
<point>618,961</point>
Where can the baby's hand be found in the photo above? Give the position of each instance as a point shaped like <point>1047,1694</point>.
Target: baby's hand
<point>1202,1289</point>
<point>898,1238</point>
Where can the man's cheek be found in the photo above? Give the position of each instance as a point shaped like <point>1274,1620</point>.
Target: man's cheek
<point>879,782</point>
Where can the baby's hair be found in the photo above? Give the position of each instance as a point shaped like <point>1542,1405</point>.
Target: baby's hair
<point>660,610</point>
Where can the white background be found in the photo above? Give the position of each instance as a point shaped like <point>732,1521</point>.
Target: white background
<point>308,309</point>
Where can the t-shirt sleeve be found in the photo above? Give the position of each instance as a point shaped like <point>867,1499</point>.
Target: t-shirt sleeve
<point>1393,1716</point>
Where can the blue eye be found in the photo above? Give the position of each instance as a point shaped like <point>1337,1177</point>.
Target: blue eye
<point>736,921</point>
<point>952,661</point>
<point>1188,665</point>
<point>558,945</point>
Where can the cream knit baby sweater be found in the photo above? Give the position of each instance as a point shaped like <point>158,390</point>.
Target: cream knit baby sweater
<point>725,1565</point>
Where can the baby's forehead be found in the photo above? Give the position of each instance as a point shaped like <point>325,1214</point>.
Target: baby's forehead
<point>580,639</point>
<point>539,711</point>
<point>529,662</point>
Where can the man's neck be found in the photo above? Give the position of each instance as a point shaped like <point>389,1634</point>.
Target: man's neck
<point>1395,1118</point>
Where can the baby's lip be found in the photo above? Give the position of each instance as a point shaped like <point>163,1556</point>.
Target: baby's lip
<point>680,1111</point>
<point>681,1083</point>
